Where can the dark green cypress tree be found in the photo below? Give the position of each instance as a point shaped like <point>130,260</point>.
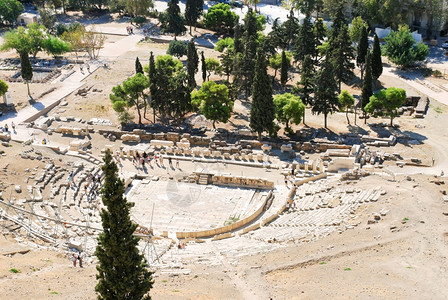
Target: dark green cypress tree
<point>250,51</point>
<point>204,67</point>
<point>284,70</point>
<point>155,98</point>
<point>305,87</point>
<point>238,46</point>
<point>325,97</point>
<point>262,111</point>
<point>138,66</point>
<point>341,56</point>
<point>367,85</point>
<point>377,64</point>
<point>193,10</point>
<point>192,63</point>
<point>122,270</point>
<point>27,70</point>
<point>361,51</point>
<point>291,29</point>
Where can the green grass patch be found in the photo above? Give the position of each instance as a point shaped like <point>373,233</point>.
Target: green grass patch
<point>13,270</point>
<point>438,109</point>
<point>323,263</point>
<point>175,291</point>
<point>405,219</point>
<point>409,267</point>
<point>165,281</point>
<point>347,269</point>
<point>54,293</point>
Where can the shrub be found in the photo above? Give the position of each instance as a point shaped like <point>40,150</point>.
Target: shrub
<point>139,20</point>
<point>177,49</point>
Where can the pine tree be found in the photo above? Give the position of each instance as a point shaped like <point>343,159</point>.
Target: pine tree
<point>342,55</point>
<point>325,98</point>
<point>305,87</point>
<point>284,70</point>
<point>204,68</point>
<point>27,70</point>
<point>175,21</point>
<point>193,10</point>
<point>304,44</point>
<point>138,66</point>
<point>320,33</point>
<point>122,270</point>
<point>262,112</point>
<point>250,51</point>
<point>291,29</point>
<point>367,85</point>
<point>192,63</point>
<point>361,51</point>
<point>377,64</point>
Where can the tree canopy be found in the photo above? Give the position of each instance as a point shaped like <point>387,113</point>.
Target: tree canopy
<point>387,102</point>
<point>346,101</point>
<point>288,109</point>
<point>177,48</point>
<point>9,11</point>
<point>402,49</point>
<point>220,18</point>
<point>212,100</point>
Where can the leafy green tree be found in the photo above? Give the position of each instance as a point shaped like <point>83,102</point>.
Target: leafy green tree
<point>172,20</point>
<point>138,66</point>
<point>275,62</point>
<point>356,28</point>
<point>262,112</point>
<point>3,87</point>
<point>177,48</point>
<point>346,101</point>
<point>212,65</point>
<point>9,11</point>
<point>193,10</point>
<point>361,51</point>
<point>37,35</point>
<point>17,39</point>
<point>55,46</point>
<point>325,98</point>
<point>27,70</point>
<point>305,87</point>
<point>277,38</point>
<point>192,64</point>
<point>122,271</point>
<point>288,109</point>
<point>400,48</point>
<point>367,92</point>
<point>377,64</point>
<point>74,39</point>
<point>137,7</point>
<point>226,47</point>
<point>204,67</point>
<point>285,65</point>
<point>132,93</point>
<point>387,101</point>
<point>220,18</point>
<point>307,7</point>
<point>212,100</point>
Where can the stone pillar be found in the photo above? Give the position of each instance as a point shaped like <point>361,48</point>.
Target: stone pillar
<point>314,166</point>
<point>321,166</point>
<point>306,167</point>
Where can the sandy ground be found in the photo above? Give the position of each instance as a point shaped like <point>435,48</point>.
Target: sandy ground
<point>370,261</point>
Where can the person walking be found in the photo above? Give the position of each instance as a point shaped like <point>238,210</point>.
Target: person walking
<point>74,258</point>
<point>88,67</point>
<point>177,163</point>
<point>170,161</point>
<point>6,127</point>
<point>80,259</point>
<point>13,126</point>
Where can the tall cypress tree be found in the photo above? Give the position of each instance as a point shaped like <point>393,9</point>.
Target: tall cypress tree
<point>193,10</point>
<point>291,28</point>
<point>361,51</point>
<point>192,63</point>
<point>262,111</point>
<point>250,51</point>
<point>27,69</point>
<point>138,66</point>
<point>305,43</point>
<point>155,99</point>
<point>342,55</point>
<point>377,64</point>
<point>122,270</point>
<point>367,85</point>
<point>325,98</point>
<point>305,87</point>
<point>284,70</point>
<point>204,67</point>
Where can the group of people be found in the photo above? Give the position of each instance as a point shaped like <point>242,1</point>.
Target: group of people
<point>6,127</point>
<point>76,257</point>
<point>139,160</point>
<point>87,66</point>
<point>130,29</point>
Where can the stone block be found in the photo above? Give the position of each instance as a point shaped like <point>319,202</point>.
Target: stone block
<point>133,138</point>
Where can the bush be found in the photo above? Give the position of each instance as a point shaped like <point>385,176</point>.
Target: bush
<point>177,49</point>
<point>220,18</point>
<point>437,73</point>
<point>60,29</point>
<point>139,20</point>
